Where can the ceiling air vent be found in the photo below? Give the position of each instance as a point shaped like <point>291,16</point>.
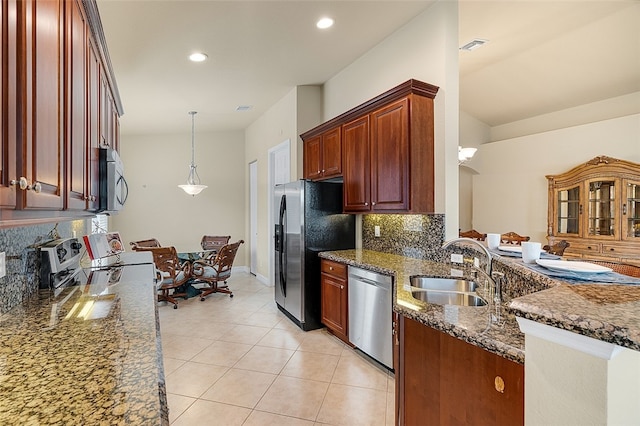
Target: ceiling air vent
<point>474,44</point>
<point>244,108</point>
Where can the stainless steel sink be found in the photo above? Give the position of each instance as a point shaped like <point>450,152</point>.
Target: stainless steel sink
<point>443,284</point>
<point>448,298</point>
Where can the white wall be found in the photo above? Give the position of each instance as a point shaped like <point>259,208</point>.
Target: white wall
<point>157,208</point>
<point>510,190</point>
<point>425,49</point>
<point>295,113</point>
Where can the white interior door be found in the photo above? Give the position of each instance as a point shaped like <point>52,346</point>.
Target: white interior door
<point>279,172</point>
<point>253,220</point>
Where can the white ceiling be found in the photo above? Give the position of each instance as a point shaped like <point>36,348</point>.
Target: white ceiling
<point>542,56</point>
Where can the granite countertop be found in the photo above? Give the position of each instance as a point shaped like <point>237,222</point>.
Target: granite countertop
<point>471,324</point>
<point>606,312</point>
<point>58,368</point>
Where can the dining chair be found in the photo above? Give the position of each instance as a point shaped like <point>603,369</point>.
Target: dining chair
<point>621,268</point>
<point>513,238</point>
<point>215,269</point>
<point>473,234</point>
<point>558,248</point>
<point>172,273</point>
<point>137,245</point>
<point>212,242</point>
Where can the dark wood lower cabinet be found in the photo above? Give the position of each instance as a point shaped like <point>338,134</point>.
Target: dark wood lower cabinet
<point>446,381</point>
<point>334,294</point>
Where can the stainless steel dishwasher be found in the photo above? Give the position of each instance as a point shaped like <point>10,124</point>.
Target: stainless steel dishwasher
<point>370,301</point>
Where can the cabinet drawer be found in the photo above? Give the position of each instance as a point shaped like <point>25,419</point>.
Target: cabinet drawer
<point>584,247</point>
<point>620,251</point>
<point>334,268</point>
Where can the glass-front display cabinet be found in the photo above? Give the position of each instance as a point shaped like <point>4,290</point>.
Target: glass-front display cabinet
<point>596,208</point>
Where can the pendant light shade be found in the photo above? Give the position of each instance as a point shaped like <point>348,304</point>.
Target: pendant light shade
<point>193,186</point>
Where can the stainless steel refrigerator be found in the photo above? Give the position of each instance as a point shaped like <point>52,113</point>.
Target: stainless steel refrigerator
<point>309,220</point>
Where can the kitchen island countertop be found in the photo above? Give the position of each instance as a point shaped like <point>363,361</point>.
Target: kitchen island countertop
<point>62,364</point>
<point>602,311</point>
<point>472,324</point>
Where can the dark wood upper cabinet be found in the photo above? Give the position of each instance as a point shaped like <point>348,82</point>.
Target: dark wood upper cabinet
<point>323,155</point>
<point>40,117</point>
<point>357,169</point>
<point>390,157</point>
<point>59,105</point>
<point>8,106</point>
<point>76,107</point>
<point>387,151</point>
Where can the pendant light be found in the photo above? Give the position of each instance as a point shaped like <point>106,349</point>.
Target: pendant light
<point>193,186</point>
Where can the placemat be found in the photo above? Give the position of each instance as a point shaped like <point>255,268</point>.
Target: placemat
<point>582,277</point>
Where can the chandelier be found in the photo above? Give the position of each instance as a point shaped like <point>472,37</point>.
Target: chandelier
<point>193,186</point>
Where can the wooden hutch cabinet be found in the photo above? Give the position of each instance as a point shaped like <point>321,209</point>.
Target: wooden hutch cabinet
<point>596,208</point>
<point>387,151</point>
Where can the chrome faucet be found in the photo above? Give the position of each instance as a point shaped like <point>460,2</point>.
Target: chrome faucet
<point>494,290</point>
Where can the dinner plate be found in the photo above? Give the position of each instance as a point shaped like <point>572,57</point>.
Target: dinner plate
<point>572,266</point>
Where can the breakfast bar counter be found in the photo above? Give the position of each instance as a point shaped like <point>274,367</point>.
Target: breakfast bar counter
<point>492,328</point>
<point>606,312</point>
<point>88,355</point>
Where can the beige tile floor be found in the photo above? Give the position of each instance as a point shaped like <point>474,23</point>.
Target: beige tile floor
<point>240,361</point>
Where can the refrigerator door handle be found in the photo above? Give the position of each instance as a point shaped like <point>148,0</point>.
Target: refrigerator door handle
<point>282,258</point>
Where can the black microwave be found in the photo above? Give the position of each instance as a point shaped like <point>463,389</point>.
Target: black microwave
<point>113,186</point>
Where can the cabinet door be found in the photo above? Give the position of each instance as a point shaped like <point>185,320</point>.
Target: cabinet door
<point>356,170</point>
<point>419,364</point>
<point>93,131</point>
<point>332,153</point>
<point>76,108</point>
<point>313,158</point>
<point>334,304</point>
<point>568,210</point>
<point>602,212</point>
<point>445,380</point>
<point>390,157</point>
<point>42,150</point>
<point>8,106</point>
<point>631,210</point>
<point>494,386</point>
<point>106,129</point>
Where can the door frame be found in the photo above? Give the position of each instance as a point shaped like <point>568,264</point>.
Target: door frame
<point>253,217</point>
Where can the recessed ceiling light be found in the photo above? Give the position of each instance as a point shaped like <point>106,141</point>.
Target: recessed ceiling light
<point>324,23</point>
<point>474,44</point>
<point>198,57</point>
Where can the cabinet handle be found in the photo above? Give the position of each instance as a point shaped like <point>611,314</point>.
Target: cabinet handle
<point>498,382</point>
<point>22,183</point>
<point>331,268</point>
<point>589,247</point>
<point>36,187</point>
<point>323,170</point>
<point>580,209</point>
<point>341,287</point>
<point>373,204</point>
<point>366,204</point>
<point>612,249</point>
<point>624,208</point>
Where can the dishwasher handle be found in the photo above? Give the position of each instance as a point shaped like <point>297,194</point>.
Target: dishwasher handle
<point>371,278</point>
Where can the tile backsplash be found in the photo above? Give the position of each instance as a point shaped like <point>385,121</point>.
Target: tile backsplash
<point>417,236</point>
<point>21,257</point>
